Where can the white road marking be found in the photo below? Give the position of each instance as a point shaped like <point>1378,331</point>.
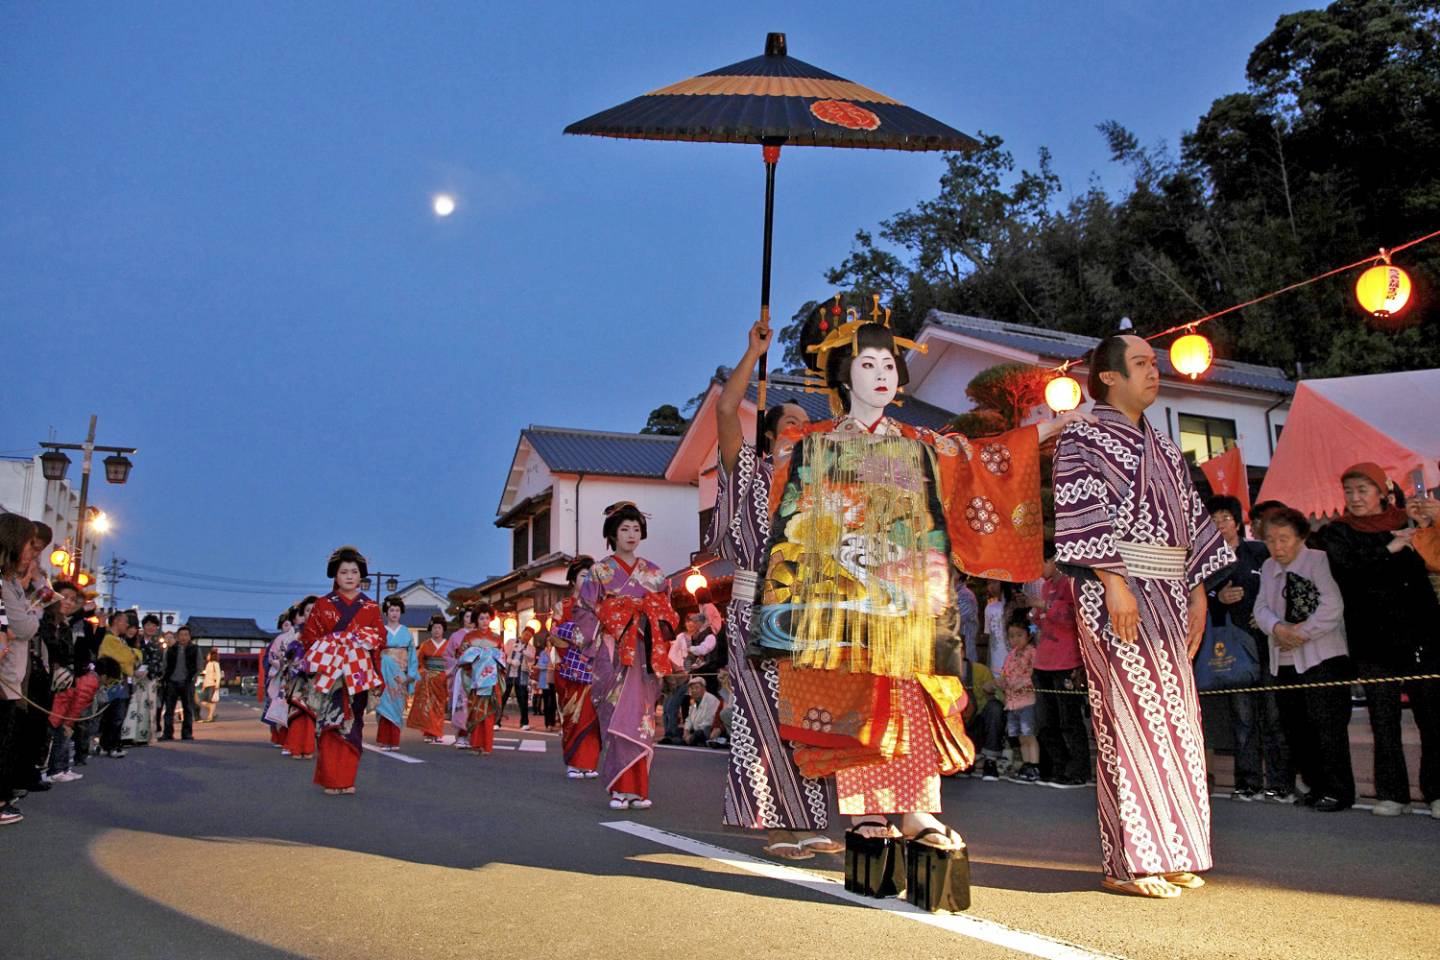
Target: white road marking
<point>988,931</point>
<point>515,743</point>
<point>532,746</point>
<point>403,758</point>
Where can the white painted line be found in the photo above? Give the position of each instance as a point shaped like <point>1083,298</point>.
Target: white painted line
<point>690,749</point>
<point>392,754</point>
<point>988,931</point>
<point>532,746</point>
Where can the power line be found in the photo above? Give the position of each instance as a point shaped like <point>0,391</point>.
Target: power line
<point>217,588</point>
<point>238,581</point>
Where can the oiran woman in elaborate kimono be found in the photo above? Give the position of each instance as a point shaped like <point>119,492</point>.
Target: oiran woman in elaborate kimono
<point>479,667</point>
<point>342,639</point>
<point>625,616</point>
<point>872,516</point>
<point>300,725</point>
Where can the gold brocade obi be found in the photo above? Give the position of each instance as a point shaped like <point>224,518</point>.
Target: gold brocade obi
<point>858,575</point>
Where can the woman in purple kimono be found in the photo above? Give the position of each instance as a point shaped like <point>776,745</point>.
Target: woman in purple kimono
<point>764,790</point>
<point>625,615</point>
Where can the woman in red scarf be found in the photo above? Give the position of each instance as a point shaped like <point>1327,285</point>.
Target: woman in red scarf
<point>1391,619</point>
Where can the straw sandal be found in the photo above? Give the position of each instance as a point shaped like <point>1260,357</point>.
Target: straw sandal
<point>1185,879</point>
<point>1154,888</point>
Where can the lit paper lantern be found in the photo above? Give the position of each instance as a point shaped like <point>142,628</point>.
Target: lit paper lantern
<point>1191,355</point>
<point>1062,394</point>
<point>533,624</point>
<point>495,625</point>
<point>59,559</point>
<point>509,624</point>
<point>1383,290</point>
<point>696,581</point>
<point>84,579</point>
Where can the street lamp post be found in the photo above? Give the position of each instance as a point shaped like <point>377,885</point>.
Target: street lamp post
<point>54,464</point>
<point>391,581</point>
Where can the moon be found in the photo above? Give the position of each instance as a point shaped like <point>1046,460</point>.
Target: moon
<point>443,204</point>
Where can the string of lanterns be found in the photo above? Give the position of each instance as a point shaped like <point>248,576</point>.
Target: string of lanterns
<point>1383,291</point>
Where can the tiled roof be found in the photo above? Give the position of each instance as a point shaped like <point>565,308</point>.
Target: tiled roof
<point>419,616</point>
<point>226,628</point>
<point>596,452</point>
<point>784,388</point>
<point>1059,345</point>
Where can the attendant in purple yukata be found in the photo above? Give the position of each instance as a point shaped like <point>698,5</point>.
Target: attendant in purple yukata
<point>624,601</point>
<point>764,790</point>
<point>1131,528</point>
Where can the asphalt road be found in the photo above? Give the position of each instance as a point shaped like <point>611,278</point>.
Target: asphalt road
<point>220,848</point>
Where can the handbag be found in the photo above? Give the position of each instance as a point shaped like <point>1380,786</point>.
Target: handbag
<point>1227,658</point>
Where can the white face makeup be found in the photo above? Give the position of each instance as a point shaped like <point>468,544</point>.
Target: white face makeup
<point>347,577</point>
<point>874,381</point>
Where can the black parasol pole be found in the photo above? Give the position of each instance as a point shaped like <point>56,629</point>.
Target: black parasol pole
<point>772,159</point>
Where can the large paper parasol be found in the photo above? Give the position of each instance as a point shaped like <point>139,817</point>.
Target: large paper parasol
<point>774,100</point>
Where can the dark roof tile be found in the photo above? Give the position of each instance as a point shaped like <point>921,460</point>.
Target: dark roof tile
<point>593,451</point>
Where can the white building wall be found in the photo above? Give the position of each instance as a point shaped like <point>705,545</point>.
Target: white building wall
<point>944,386</point>
<point>24,490</point>
<point>672,509</point>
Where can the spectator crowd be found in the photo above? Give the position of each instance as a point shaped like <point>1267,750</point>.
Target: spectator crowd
<point>74,683</point>
<point>1315,612</point>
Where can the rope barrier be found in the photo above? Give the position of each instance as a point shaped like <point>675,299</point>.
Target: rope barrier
<point>1316,685</point>
<point>64,718</point>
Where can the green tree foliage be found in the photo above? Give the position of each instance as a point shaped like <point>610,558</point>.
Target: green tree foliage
<point>666,421</point>
<point>1332,151</point>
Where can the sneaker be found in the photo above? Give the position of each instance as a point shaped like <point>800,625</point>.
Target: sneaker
<point>1435,809</point>
<point>991,773</point>
<point>66,776</point>
<point>1243,796</point>
<point>117,754</point>
<point>1330,805</point>
<point>1067,783</point>
<point>1026,774</point>
<point>10,813</point>
<point>1389,808</point>
<point>1279,796</point>
<point>524,726</point>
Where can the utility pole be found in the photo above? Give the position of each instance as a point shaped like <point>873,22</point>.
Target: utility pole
<point>114,573</point>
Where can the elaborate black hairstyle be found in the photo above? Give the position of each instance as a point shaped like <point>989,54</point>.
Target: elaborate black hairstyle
<point>392,601</point>
<point>347,554</point>
<point>437,618</point>
<point>288,615</point>
<point>832,335</point>
<point>618,513</point>
<point>578,566</point>
<point>1107,356</point>
<point>481,609</point>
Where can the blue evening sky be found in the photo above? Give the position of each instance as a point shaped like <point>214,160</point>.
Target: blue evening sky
<point>215,232</point>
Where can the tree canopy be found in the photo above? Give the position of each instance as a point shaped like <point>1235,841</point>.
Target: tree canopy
<point>1331,152</point>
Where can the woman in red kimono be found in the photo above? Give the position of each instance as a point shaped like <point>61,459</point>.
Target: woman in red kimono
<point>579,724</point>
<point>300,730</point>
<point>427,710</point>
<point>343,638</point>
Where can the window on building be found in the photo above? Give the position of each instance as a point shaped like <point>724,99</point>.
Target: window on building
<point>520,545</point>
<point>540,534</point>
<point>1204,437</point>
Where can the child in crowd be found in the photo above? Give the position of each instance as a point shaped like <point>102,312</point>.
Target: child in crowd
<point>1015,680</point>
